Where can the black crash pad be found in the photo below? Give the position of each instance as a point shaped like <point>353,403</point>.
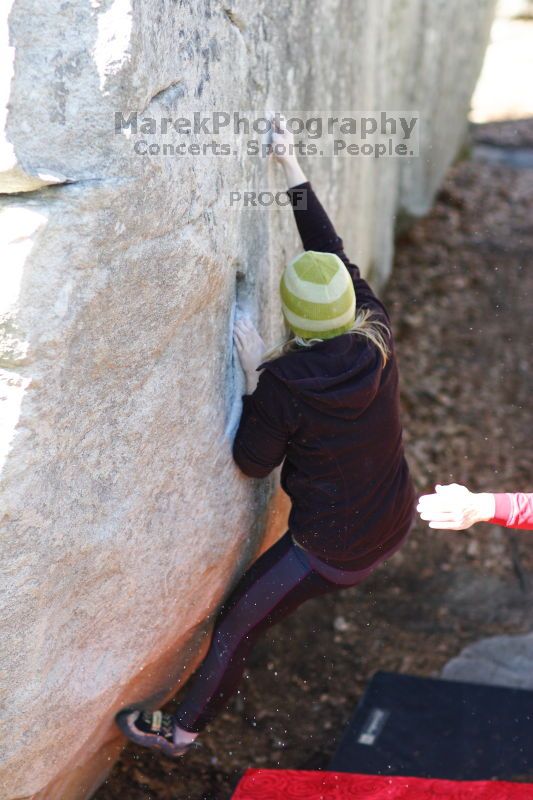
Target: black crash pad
<point>423,727</point>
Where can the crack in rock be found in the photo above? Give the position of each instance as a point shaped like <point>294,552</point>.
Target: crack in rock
<point>235,20</point>
<point>67,182</point>
<point>20,182</point>
<point>174,90</point>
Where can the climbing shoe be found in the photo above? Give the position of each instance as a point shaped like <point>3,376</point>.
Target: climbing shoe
<point>151,729</point>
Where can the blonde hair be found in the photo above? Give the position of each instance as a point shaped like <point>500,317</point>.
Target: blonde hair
<point>365,324</point>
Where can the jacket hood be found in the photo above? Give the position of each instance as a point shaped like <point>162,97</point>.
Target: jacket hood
<point>338,376</point>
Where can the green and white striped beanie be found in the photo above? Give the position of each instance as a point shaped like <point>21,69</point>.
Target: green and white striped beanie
<point>317,295</point>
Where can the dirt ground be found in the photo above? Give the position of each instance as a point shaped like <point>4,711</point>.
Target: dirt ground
<point>460,297</point>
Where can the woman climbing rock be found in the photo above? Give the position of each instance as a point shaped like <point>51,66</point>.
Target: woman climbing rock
<point>325,403</point>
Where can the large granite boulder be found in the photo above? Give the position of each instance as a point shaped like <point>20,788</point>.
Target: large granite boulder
<point>124,517</point>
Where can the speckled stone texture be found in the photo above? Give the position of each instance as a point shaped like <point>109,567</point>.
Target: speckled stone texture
<point>497,661</point>
<point>124,519</point>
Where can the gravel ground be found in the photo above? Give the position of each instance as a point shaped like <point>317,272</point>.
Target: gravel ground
<point>460,298</point>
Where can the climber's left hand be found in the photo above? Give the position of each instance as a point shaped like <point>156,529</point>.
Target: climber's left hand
<point>250,348</point>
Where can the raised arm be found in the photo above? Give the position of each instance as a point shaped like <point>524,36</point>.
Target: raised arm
<point>314,225</point>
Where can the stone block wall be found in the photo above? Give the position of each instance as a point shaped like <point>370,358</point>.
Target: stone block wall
<point>124,518</point>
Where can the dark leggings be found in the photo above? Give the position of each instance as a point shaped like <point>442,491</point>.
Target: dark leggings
<point>277,583</point>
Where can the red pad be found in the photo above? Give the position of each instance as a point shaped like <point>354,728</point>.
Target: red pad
<point>273,784</point>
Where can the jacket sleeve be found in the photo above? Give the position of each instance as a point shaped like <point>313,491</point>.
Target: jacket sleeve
<point>317,233</point>
<point>514,510</point>
<point>267,421</point>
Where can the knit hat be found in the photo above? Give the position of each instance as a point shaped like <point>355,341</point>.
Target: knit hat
<point>317,295</point>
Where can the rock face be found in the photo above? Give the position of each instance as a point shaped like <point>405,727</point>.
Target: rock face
<point>515,9</point>
<point>499,661</point>
<point>124,518</point>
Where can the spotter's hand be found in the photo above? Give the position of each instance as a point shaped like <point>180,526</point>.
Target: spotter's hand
<point>455,508</point>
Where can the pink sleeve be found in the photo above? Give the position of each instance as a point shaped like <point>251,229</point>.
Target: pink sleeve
<point>514,510</point>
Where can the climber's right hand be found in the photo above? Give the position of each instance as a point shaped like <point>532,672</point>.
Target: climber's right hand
<point>283,149</point>
<point>284,152</point>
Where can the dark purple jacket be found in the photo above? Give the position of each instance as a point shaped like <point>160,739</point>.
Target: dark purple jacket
<point>332,412</point>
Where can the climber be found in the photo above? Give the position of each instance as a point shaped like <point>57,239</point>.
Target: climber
<point>453,507</point>
<point>326,404</point>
